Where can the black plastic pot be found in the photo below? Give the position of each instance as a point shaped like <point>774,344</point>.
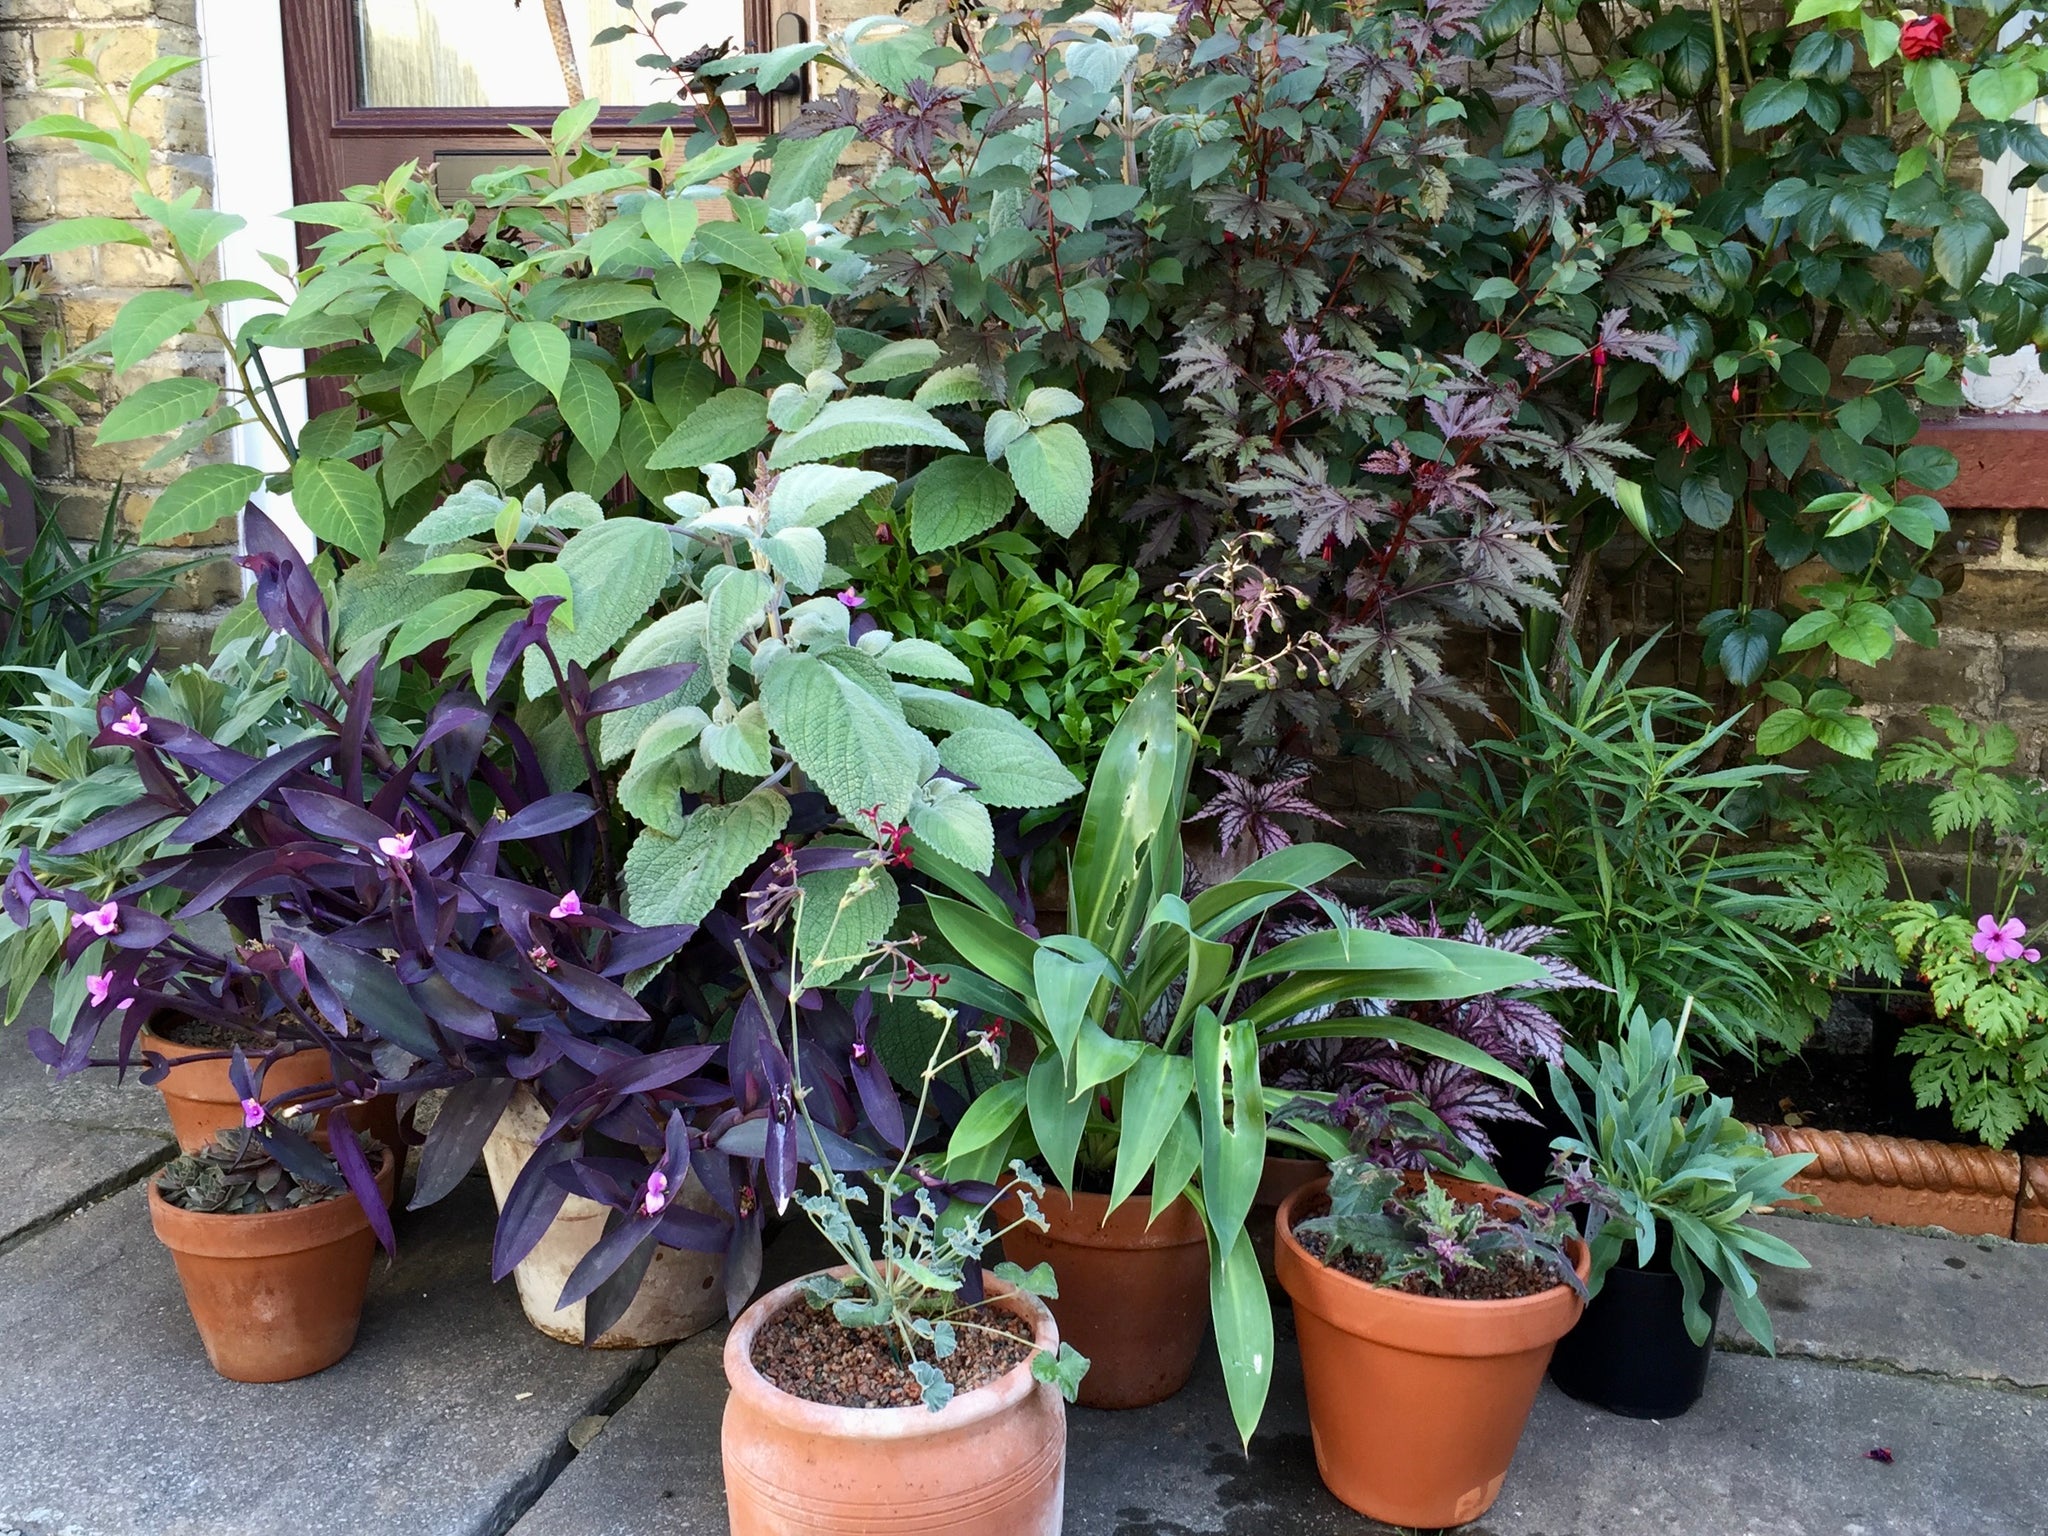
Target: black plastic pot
<point>1630,1353</point>
<point>1522,1156</point>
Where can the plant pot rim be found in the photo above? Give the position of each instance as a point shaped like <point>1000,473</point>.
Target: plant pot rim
<point>1404,1305</point>
<point>252,1234</point>
<point>763,1396</point>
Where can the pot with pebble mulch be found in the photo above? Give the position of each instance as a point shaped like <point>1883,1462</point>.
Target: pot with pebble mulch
<point>1426,1312</point>
<point>828,1434</point>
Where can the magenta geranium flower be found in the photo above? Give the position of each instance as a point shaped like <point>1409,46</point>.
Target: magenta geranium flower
<point>1999,942</point>
<point>101,920</point>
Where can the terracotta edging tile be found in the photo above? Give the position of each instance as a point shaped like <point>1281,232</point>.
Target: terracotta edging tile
<point>1905,1183</point>
<point>2031,1225</point>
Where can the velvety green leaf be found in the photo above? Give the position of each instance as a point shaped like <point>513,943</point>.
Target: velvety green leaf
<point>956,498</point>
<point>616,570</point>
<point>956,825</point>
<point>1053,473</point>
<point>858,423</point>
<point>723,427</point>
<point>896,360</point>
<point>842,737</point>
<point>1008,768</point>
<point>680,879</point>
<point>843,915</point>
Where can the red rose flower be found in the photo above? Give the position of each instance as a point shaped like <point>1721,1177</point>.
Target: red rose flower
<point>1924,37</point>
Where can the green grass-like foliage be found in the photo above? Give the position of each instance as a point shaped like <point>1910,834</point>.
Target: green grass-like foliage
<point>1606,817</point>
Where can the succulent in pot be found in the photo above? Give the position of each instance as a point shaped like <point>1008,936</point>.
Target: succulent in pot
<point>1149,1016</point>
<point>273,1254</point>
<point>1685,1176</point>
<point>1426,1308</point>
<point>904,1376</point>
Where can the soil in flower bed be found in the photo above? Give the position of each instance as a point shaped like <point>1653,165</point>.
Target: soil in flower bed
<point>1512,1277</point>
<point>810,1354</point>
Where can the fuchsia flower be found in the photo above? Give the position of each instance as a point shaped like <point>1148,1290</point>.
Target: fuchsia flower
<point>101,987</point>
<point>571,905</point>
<point>130,724</point>
<point>1999,942</point>
<point>101,920</point>
<point>396,849</point>
<point>656,1199</point>
<point>253,1114</point>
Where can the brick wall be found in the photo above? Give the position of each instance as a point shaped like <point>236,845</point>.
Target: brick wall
<point>52,180</point>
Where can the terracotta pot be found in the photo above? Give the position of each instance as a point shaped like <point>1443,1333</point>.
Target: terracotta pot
<point>1282,1177</point>
<point>277,1295</point>
<point>1416,1402</point>
<point>1134,1298</point>
<point>203,1102</point>
<point>993,1462</point>
<point>679,1295</point>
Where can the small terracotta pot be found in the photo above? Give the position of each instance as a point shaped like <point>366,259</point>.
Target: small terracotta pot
<point>678,1296</point>
<point>276,1295</point>
<point>993,1462</point>
<point>1134,1296</point>
<point>1416,1402</point>
<point>202,1100</point>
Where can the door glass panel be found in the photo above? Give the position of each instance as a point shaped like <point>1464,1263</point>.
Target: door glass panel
<point>503,53</point>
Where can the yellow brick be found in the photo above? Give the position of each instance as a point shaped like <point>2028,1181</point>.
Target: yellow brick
<point>109,463</point>
<point>85,188</point>
<point>138,266</point>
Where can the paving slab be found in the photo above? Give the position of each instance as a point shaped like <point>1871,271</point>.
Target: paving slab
<point>1776,1448</point>
<point>1937,1305</point>
<point>67,1143</point>
<point>447,1419</point>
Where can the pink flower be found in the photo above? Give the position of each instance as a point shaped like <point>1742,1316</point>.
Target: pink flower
<point>852,598</point>
<point>1999,942</point>
<point>130,724</point>
<point>396,849</point>
<point>102,920</point>
<point>101,987</point>
<point>541,959</point>
<point>656,1199</point>
<point>571,905</point>
<point>252,1114</point>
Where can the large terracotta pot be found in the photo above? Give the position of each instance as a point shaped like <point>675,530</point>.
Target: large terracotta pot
<point>993,1462</point>
<point>276,1295</point>
<point>679,1295</point>
<point>1415,1402</point>
<point>202,1100</point>
<point>1134,1295</point>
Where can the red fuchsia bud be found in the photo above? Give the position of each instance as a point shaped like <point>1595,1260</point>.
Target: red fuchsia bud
<point>1735,393</point>
<point>1330,547</point>
<point>1599,355</point>
<point>1924,37</point>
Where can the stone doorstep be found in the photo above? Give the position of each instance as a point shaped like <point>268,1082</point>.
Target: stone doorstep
<point>1902,1182</point>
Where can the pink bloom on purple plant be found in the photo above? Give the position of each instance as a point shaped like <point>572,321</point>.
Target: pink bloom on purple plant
<point>397,849</point>
<point>101,920</point>
<point>656,1199</point>
<point>253,1114</point>
<point>1999,942</point>
<point>571,905</point>
<point>101,987</point>
<point>130,724</point>
<point>852,598</point>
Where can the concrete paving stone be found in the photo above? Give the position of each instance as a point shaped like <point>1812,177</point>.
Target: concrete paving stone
<point>1907,1301</point>
<point>447,1419</point>
<point>1776,1448</point>
<point>70,1142</point>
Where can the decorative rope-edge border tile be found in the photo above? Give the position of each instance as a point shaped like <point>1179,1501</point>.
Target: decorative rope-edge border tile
<point>1904,1182</point>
